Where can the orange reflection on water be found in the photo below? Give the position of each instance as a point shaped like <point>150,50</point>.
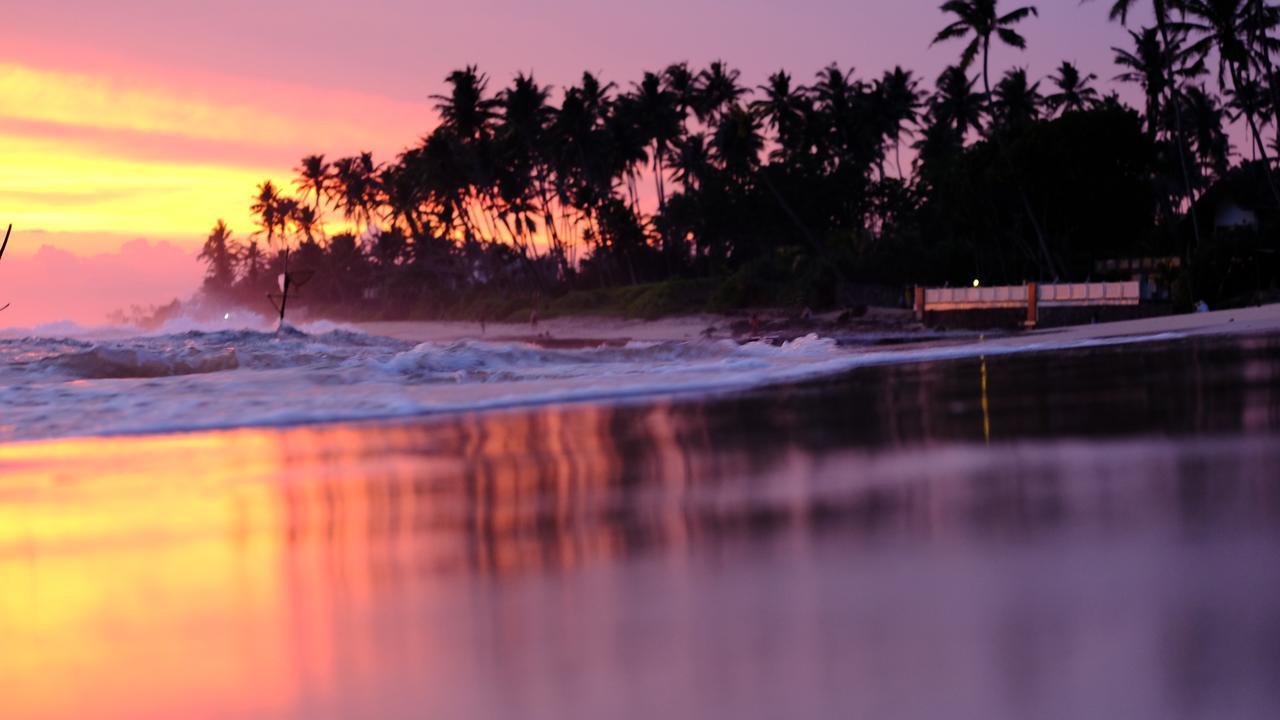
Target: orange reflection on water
<point>218,574</point>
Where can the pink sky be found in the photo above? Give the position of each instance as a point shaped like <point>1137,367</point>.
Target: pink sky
<point>148,120</point>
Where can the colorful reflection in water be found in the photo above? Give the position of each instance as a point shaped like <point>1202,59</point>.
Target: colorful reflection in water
<point>845,548</point>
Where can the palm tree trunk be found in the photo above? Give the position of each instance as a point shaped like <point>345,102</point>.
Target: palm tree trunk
<point>1022,191</point>
<point>1181,139</point>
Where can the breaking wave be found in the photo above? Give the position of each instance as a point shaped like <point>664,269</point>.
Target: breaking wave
<point>196,379</point>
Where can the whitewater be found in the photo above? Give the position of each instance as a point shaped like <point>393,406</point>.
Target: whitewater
<point>64,381</point>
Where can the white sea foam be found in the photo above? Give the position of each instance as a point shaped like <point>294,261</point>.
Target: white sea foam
<point>82,383</point>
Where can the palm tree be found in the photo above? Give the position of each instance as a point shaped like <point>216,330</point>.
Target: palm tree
<point>981,19</point>
<point>955,103</point>
<point>1169,48</point>
<point>268,205</point>
<point>313,178</point>
<point>783,109</point>
<point>1260,21</point>
<point>737,142</point>
<point>898,101</point>
<point>1073,90</point>
<point>1016,103</point>
<point>717,90</point>
<point>465,110</point>
<point>354,188</point>
<point>1222,27</point>
<point>1249,98</point>
<point>1205,126</point>
<point>218,252</point>
<point>657,113</point>
<point>1149,65</point>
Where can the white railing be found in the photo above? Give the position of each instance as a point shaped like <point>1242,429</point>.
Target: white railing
<point>1016,296</point>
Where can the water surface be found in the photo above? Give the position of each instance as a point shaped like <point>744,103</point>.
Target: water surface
<point>1081,533</point>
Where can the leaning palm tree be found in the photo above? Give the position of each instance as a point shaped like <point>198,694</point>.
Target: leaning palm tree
<point>1169,40</point>
<point>1221,27</point>
<point>981,19</point>
<point>1074,93</point>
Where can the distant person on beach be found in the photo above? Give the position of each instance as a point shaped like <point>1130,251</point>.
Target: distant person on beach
<point>533,318</point>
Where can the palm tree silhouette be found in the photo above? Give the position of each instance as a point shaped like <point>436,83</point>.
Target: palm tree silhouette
<point>717,91</point>
<point>981,19</point>
<point>1016,102</point>
<point>898,102</point>
<point>1074,93</point>
<point>784,109</point>
<point>219,252</point>
<point>313,178</point>
<point>1222,27</point>
<point>1169,40</point>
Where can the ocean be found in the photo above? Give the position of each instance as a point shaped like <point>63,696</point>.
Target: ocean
<point>327,524</point>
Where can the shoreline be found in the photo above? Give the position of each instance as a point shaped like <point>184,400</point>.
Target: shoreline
<point>898,326</point>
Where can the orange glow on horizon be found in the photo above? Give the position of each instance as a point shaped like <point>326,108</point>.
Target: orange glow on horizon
<point>94,154</point>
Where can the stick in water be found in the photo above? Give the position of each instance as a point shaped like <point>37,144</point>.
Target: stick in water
<point>4,245</point>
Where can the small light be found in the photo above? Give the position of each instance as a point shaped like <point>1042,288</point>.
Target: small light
<point>976,283</point>
<point>226,316</point>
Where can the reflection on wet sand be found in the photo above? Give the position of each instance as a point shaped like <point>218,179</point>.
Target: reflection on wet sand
<point>839,548</point>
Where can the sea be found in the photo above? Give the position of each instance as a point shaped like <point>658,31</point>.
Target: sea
<point>208,522</point>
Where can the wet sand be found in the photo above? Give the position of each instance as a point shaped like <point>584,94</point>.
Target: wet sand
<point>1080,533</point>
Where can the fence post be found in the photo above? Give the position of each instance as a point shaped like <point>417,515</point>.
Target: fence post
<point>1033,305</point>
<point>919,305</point>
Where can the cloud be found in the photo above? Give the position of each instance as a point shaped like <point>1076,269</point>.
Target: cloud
<point>55,284</point>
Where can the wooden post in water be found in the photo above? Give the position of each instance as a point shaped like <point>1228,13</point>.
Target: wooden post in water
<point>3,246</point>
<point>1033,305</point>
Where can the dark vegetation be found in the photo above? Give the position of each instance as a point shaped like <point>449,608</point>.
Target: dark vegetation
<point>687,190</point>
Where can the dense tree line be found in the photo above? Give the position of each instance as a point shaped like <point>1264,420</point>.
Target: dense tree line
<point>688,173</point>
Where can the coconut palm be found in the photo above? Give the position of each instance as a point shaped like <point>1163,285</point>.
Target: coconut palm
<point>1221,26</point>
<point>981,19</point>
<point>783,110</point>
<point>1016,102</point>
<point>465,110</point>
<point>898,102</point>
<point>1250,98</point>
<point>218,253</point>
<point>313,178</point>
<point>354,188</point>
<point>269,207</point>
<point>717,91</point>
<point>658,116</point>
<point>1169,40</point>
<point>1074,93</point>
<point>1205,128</point>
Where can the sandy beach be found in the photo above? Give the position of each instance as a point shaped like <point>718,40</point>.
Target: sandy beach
<point>1264,318</point>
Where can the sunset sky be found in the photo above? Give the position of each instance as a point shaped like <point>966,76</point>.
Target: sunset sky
<point>128,128</point>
